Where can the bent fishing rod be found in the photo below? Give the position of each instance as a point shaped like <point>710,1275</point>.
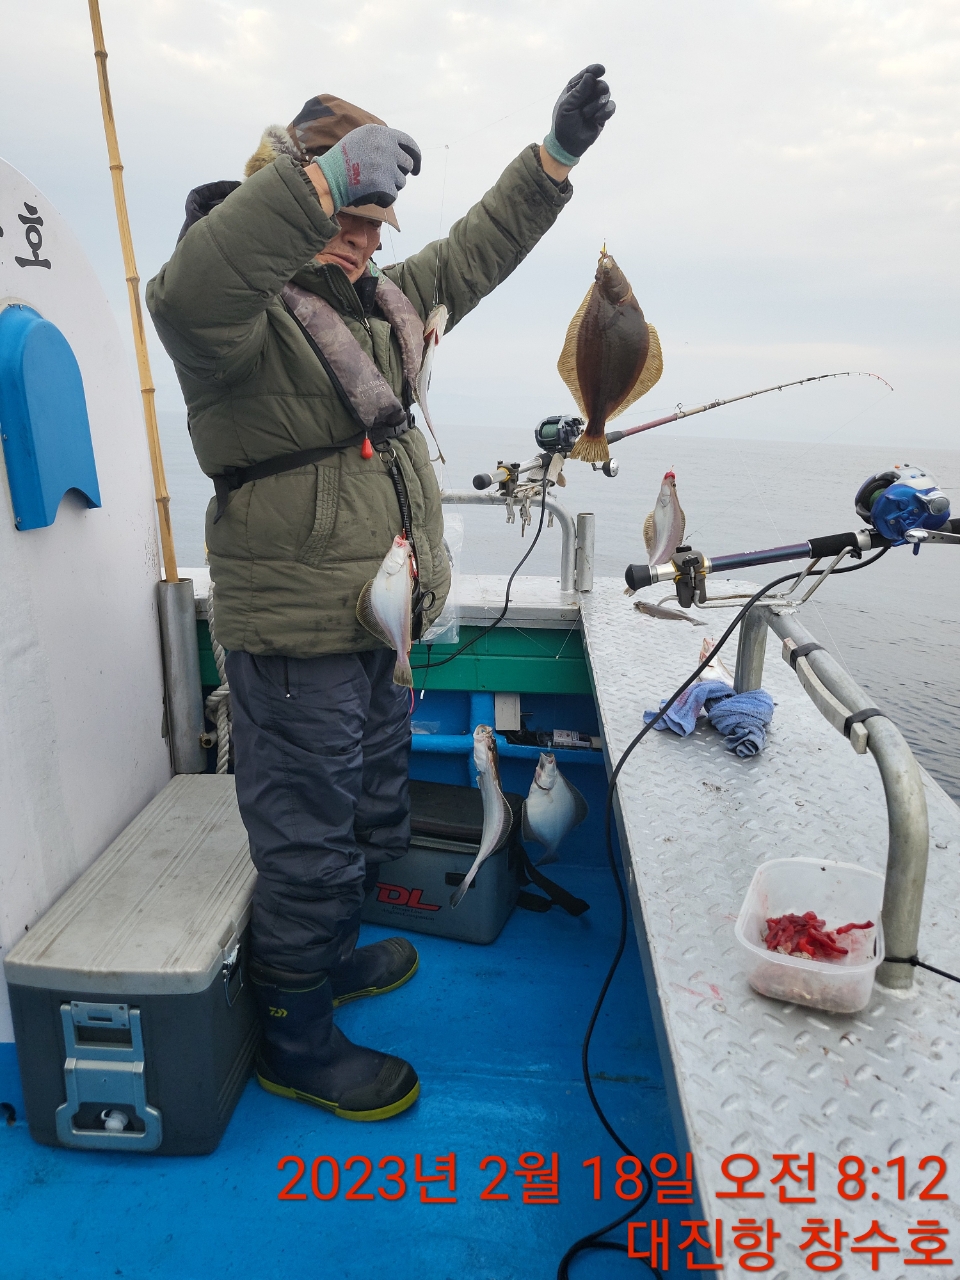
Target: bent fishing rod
<point>614,436</point>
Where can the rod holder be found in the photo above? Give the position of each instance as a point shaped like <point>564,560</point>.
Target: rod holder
<point>181,670</point>
<point>583,574</point>
<point>750,650</point>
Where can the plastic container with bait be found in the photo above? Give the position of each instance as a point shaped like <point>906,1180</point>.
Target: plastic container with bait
<point>839,892</point>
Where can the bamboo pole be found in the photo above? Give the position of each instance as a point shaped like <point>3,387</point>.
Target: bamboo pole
<point>147,390</point>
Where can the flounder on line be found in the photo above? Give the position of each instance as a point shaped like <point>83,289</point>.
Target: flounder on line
<point>611,356</point>
<point>385,607</point>
<point>664,526</point>
<point>497,814</point>
<point>553,807</point>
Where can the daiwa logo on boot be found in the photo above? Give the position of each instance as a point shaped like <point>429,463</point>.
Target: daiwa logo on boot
<point>397,896</point>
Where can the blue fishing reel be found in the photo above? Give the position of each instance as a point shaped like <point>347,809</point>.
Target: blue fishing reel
<point>902,499</point>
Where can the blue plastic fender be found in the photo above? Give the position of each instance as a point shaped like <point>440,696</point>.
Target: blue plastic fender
<point>43,419</point>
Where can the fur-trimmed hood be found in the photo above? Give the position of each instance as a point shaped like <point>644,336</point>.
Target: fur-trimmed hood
<point>276,141</point>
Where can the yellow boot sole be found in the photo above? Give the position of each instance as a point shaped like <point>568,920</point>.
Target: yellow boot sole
<point>376,991</point>
<point>381,1113</point>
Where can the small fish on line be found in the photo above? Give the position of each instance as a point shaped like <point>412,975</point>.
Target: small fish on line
<point>385,607</point>
<point>610,358</point>
<point>658,611</point>
<point>432,333</point>
<point>664,526</point>
<point>552,809</point>
<point>497,814</point>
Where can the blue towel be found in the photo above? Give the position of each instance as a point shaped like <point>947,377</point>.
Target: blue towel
<point>741,717</point>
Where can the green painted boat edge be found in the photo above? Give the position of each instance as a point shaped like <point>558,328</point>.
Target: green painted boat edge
<point>507,660</point>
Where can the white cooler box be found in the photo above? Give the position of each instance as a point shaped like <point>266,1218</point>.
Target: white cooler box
<point>135,1029</point>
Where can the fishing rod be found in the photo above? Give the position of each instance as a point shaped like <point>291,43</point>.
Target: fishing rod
<point>614,436</point>
<point>901,507</point>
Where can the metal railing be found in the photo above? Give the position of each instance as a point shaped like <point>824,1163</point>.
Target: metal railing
<point>838,697</point>
<point>576,553</point>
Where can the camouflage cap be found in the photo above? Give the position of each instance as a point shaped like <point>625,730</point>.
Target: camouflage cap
<point>320,124</point>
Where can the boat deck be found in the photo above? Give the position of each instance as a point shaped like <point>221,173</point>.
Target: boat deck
<point>495,1031</point>
<point>755,1075</point>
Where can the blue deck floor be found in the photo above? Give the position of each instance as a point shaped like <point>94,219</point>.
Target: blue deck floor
<point>494,1033</point>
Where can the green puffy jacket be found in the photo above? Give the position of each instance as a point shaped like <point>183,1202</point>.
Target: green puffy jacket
<point>291,552</point>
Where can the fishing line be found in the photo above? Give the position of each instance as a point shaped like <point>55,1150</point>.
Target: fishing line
<point>859,414</point>
<point>443,193</point>
<point>464,137</point>
<point>771,518</point>
<point>423,666</point>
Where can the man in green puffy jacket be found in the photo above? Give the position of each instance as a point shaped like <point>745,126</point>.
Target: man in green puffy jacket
<point>297,357</point>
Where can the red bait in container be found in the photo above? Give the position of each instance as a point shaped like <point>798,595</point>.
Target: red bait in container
<point>805,935</point>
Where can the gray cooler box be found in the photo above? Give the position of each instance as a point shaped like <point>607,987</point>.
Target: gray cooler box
<point>413,892</point>
<point>135,1030</point>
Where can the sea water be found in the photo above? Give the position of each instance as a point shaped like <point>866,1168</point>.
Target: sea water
<point>894,625</point>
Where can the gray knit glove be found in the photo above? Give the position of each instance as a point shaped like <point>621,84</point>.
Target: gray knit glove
<point>369,165</point>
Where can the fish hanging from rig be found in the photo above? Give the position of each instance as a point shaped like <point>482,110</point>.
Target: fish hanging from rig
<point>664,526</point>
<point>611,356</point>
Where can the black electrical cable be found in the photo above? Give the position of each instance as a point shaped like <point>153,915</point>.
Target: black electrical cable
<point>592,1241</point>
<point>423,666</point>
<point>919,964</point>
<point>852,568</point>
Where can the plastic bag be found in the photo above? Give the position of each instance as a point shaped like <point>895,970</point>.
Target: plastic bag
<point>446,629</point>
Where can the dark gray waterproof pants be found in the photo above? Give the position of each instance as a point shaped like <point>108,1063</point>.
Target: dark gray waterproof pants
<point>322,748</point>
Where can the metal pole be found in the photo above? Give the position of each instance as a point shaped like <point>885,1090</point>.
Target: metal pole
<point>568,526</point>
<point>147,390</point>
<point>586,525</point>
<point>181,660</point>
<point>750,650</point>
<point>909,833</point>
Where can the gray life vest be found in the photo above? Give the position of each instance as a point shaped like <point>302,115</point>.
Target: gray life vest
<point>362,388</point>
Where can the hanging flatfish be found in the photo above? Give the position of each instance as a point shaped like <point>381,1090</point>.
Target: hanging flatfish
<point>497,814</point>
<point>611,356</point>
<point>385,606</point>
<point>553,807</point>
<point>664,526</point>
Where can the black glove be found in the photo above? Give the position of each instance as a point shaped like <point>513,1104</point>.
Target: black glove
<point>369,165</point>
<point>582,110</point>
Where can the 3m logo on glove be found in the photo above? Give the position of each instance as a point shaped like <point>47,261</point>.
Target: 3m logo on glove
<point>397,896</point>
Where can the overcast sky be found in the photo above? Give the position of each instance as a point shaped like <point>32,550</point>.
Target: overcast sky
<point>780,181</point>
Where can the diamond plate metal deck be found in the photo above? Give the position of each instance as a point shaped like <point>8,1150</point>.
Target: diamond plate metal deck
<point>752,1074</point>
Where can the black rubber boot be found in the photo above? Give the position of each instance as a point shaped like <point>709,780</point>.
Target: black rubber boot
<point>304,1055</point>
<point>373,970</point>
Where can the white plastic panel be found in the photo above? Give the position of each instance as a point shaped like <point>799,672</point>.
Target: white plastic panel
<point>81,691</point>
